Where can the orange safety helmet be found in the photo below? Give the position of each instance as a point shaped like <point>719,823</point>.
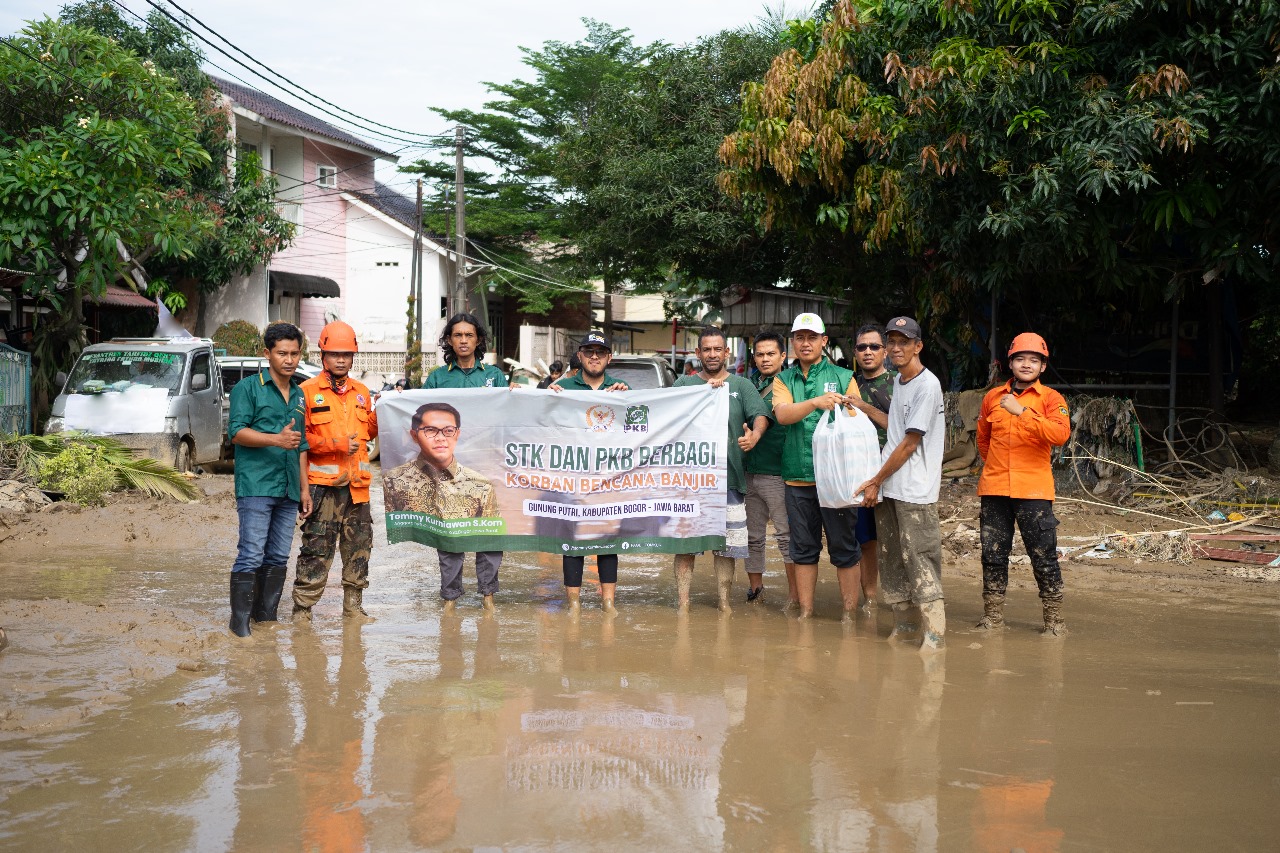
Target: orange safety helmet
<point>1025,342</point>
<point>338,337</point>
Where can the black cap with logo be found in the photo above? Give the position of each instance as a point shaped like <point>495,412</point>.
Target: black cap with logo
<point>903,326</point>
<point>595,339</point>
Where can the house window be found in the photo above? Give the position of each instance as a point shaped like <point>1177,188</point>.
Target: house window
<point>388,263</point>
<point>326,176</point>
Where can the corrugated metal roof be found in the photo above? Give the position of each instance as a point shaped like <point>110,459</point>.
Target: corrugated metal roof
<point>277,110</point>
<point>122,297</point>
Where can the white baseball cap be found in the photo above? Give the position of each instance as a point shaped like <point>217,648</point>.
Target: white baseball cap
<point>808,323</point>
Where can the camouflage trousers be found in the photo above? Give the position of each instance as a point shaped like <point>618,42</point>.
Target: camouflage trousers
<point>1039,527</point>
<point>335,521</point>
<point>910,551</point>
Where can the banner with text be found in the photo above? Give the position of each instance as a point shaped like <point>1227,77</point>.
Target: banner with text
<point>574,472</point>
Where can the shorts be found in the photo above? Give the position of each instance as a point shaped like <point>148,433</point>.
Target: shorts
<point>808,519</point>
<point>865,529</point>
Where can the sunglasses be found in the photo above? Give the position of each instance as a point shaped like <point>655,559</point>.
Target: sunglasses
<point>872,347</point>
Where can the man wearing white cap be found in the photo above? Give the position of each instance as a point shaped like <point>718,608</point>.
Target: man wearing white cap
<point>800,394</point>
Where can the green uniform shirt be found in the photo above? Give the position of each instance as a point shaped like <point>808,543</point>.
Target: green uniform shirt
<point>878,392</point>
<point>480,376</point>
<point>797,448</point>
<point>267,472</point>
<point>745,405</point>
<point>577,383</point>
<point>766,456</point>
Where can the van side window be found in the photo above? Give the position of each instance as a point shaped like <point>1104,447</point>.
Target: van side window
<point>200,367</point>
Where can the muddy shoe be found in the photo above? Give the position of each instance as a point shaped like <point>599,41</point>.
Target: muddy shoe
<point>992,612</point>
<point>301,614</point>
<point>756,594</point>
<point>1054,625</point>
<point>450,607</point>
<point>488,605</point>
<point>353,604</point>
<point>904,626</point>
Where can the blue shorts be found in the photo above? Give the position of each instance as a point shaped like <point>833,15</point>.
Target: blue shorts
<point>865,529</point>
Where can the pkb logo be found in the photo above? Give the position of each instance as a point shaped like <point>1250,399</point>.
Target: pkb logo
<point>637,419</point>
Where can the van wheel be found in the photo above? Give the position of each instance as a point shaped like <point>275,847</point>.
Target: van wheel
<point>183,463</point>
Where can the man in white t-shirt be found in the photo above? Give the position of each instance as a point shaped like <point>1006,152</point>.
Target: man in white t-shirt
<point>908,481</point>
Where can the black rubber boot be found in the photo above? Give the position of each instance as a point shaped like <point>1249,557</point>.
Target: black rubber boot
<point>267,601</point>
<point>242,584</point>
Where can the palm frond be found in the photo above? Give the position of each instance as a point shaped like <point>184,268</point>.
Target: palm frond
<point>154,478</point>
<point>25,453</point>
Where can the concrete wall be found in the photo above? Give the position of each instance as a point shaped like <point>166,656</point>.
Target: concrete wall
<point>243,298</point>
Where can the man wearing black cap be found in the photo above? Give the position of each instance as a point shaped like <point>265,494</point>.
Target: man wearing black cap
<point>595,353</point>
<point>908,481</point>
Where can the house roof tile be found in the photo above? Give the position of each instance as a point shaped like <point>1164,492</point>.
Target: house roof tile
<point>277,110</point>
<point>399,207</point>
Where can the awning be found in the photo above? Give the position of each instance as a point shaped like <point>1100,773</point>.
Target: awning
<point>304,285</point>
<point>122,297</point>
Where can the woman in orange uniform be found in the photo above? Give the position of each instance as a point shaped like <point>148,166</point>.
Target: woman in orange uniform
<point>1021,422</point>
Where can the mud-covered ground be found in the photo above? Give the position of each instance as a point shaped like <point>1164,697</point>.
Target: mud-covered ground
<point>130,719</point>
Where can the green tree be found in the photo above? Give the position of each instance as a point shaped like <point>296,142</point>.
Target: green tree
<point>1081,152</point>
<point>248,228</point>
<point>94,144</point>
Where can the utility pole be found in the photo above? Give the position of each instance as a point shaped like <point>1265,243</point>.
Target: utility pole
<point>460,225</point>
<point>417,265</point>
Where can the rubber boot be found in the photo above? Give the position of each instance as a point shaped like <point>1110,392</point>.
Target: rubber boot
<point>1054,625</point>
<point>573,594</point>
<point>902,622</point>
<point>353,603</point>
<point>266,602</point>
<point>935,625</point>
<point>993,612</point>
<point>724,567</point>
<point>242,585</point>
<point>607,592</point>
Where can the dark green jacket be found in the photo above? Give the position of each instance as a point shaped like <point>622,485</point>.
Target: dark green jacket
<point>766,456</point>
<point>451,376</point>
<point>577,383</point>
<point>797,446</point>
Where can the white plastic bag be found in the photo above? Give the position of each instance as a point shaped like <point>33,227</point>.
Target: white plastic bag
<point>846,453</point>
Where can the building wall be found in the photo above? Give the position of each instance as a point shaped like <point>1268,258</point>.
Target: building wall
<point>243,298</point>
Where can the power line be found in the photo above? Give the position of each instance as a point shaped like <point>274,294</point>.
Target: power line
<point>277,74</point>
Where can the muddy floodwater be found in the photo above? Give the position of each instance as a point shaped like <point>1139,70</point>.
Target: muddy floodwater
<point>130,721</point>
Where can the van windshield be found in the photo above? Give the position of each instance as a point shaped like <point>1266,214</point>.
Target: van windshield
<point>120,370</point>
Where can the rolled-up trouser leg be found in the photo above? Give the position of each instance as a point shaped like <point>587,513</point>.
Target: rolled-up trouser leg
<point>487,565</point>
<point>996,521</point>
<point>319,540</point>
<point>571,568</point>
<point>607,564</point>
<point>450,574</point>
<point>1039,528</point>
<point>356,544</point>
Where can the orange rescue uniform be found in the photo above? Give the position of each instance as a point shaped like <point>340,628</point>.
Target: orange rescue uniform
<point>1015,448</point>
<point>332,418</point>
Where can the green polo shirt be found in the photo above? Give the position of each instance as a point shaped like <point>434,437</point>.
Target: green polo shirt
<point>577,383</point>
<point>267,472</point>
<point>766,456</point>
<point>745,404</point>
<point>452,376</point>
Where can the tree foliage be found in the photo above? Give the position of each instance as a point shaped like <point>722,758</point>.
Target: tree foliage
<point>1088,150</point>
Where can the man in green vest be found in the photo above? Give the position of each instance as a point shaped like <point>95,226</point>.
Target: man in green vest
<point>801,393</point>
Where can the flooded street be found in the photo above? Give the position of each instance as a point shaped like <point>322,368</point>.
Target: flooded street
<point>1151,727</point>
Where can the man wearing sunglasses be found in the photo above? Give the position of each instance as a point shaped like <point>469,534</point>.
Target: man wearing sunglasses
<point>875,389</point>
<point>435,484</point>
<point>594,353</point>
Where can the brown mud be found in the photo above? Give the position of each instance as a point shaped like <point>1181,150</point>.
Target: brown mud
<point>130,719</point>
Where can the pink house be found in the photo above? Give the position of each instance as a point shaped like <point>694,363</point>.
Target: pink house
<point>350,259</point>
